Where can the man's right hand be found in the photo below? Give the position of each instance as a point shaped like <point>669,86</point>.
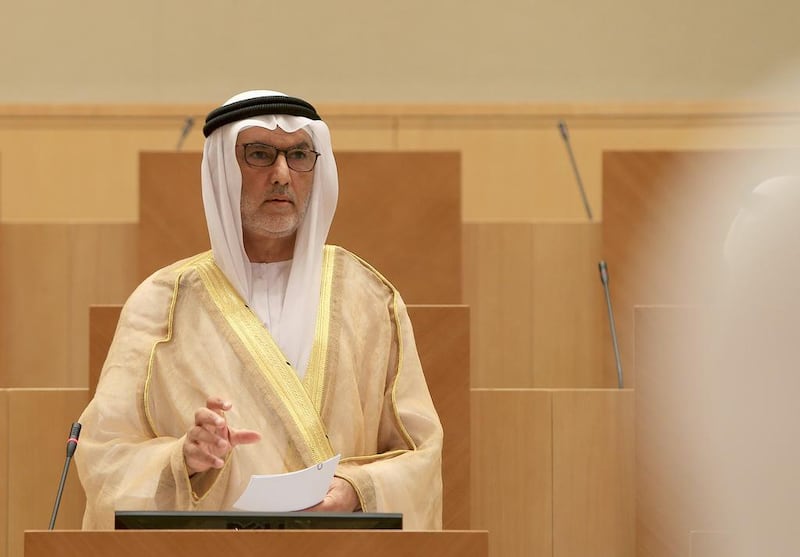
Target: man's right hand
<point>210,440</point>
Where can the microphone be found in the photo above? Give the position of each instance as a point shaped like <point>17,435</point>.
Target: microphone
<point>604,280</point>
<point>187,127</point>
<point>72,444</point>
<point>562,126</point>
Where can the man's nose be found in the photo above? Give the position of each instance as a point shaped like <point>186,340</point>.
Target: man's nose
<point>280,170</point>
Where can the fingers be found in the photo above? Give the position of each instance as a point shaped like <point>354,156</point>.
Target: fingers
<point>208,419</point>
<point>216,403</point>
<point>341,497</point>
<point>208,443</point>
<point>243,437</point>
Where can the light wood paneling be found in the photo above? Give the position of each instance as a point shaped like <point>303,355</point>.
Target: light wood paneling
<point>442,336</point>
<point>159,543</point>
<point>360,132</point>
<point>514,169</point>
<point>498,287</point>
<point>35,290</point>
<point>102,325</point>
<point>399,211</point>
<point>553,471</point>
<point>76,169</point>
<point>37,442</point>
<point>512,474</point>
<point>103,271</point>
<point>5,480</point>
<point>537,305</point>
<point>98,145</point>
<point>593,473</point>
<point>402,213</point>
<point>568,317</point>
<point>666,215</point>
<point>52,272</point>
<point>172,223</point>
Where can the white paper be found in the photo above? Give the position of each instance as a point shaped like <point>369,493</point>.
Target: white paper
<point>294,491</point>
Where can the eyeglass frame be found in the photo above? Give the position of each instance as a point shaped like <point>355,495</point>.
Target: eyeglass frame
<point>278,152</point>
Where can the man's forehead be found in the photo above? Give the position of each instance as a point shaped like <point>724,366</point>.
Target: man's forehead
<point>277,135</point>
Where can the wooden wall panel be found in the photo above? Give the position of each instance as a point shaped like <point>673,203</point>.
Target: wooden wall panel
<point>37,448</point>
<point>172,223</point>
<point>103,272</point>
<point>498,281</point>
<point>593,473</point>
<point>76,169</point>
<point>52,272</point>
<point>399,211</point>
<point>568,309</point>
<point>512,473</point>
<point>537,305</point>
<point>402,213</point>
<point>35,291</point>
<point>666,215</point>
<point>553,471</point>
<point>514,168</point>
<point>360,132</point>
<point>102,325</point>
<point>442,336</point>
<point>189,543</point>
<point>5,480</point>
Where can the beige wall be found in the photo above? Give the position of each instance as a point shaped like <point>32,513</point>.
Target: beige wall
<point>415,51</point>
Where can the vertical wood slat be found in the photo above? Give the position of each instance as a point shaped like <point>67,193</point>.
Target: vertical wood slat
<point>512,474</point>
<point>442,336</point>
<point>51,273</point>
<point>5,478</point>
<point>498,288</point>
<point>36,452</point>
<point>34,293</point>
<point>593,473</point>
<point>537,305</point>
<point>553,471</point>
<point>102,325</point>
<point>568,309</point>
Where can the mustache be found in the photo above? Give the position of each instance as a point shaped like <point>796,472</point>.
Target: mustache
<point>280,192</point>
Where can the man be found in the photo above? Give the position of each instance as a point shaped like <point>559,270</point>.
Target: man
<point>269,354</point>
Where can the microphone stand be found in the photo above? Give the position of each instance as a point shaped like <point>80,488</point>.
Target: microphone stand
<point>72,444</point>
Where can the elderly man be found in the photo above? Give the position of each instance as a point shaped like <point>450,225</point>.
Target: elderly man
<point>268,354</point>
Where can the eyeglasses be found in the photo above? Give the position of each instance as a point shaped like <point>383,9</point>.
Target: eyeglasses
<point>263,155</point>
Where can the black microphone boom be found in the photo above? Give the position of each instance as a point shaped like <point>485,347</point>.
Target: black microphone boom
<point>562,126</point>
<point>72,444</point>
<point>187,127</point>
<point>604,279</point>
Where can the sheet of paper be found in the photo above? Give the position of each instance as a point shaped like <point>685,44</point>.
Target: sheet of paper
<point>294,491</point>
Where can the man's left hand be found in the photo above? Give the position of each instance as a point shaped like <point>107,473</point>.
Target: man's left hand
<point>341,497</point>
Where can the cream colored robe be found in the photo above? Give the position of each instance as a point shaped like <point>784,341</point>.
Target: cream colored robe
<point>185,335</point>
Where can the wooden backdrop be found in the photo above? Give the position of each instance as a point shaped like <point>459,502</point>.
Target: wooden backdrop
<point>528,257</point>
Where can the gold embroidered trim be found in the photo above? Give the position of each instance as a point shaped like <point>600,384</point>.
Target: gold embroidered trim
<point>314,379</point>
<point>396,316</point>
<point>280,375</point>
<point>373,457</point>
<point>146,395</point>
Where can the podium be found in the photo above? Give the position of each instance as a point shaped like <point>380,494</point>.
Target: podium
<point>190,543</point>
